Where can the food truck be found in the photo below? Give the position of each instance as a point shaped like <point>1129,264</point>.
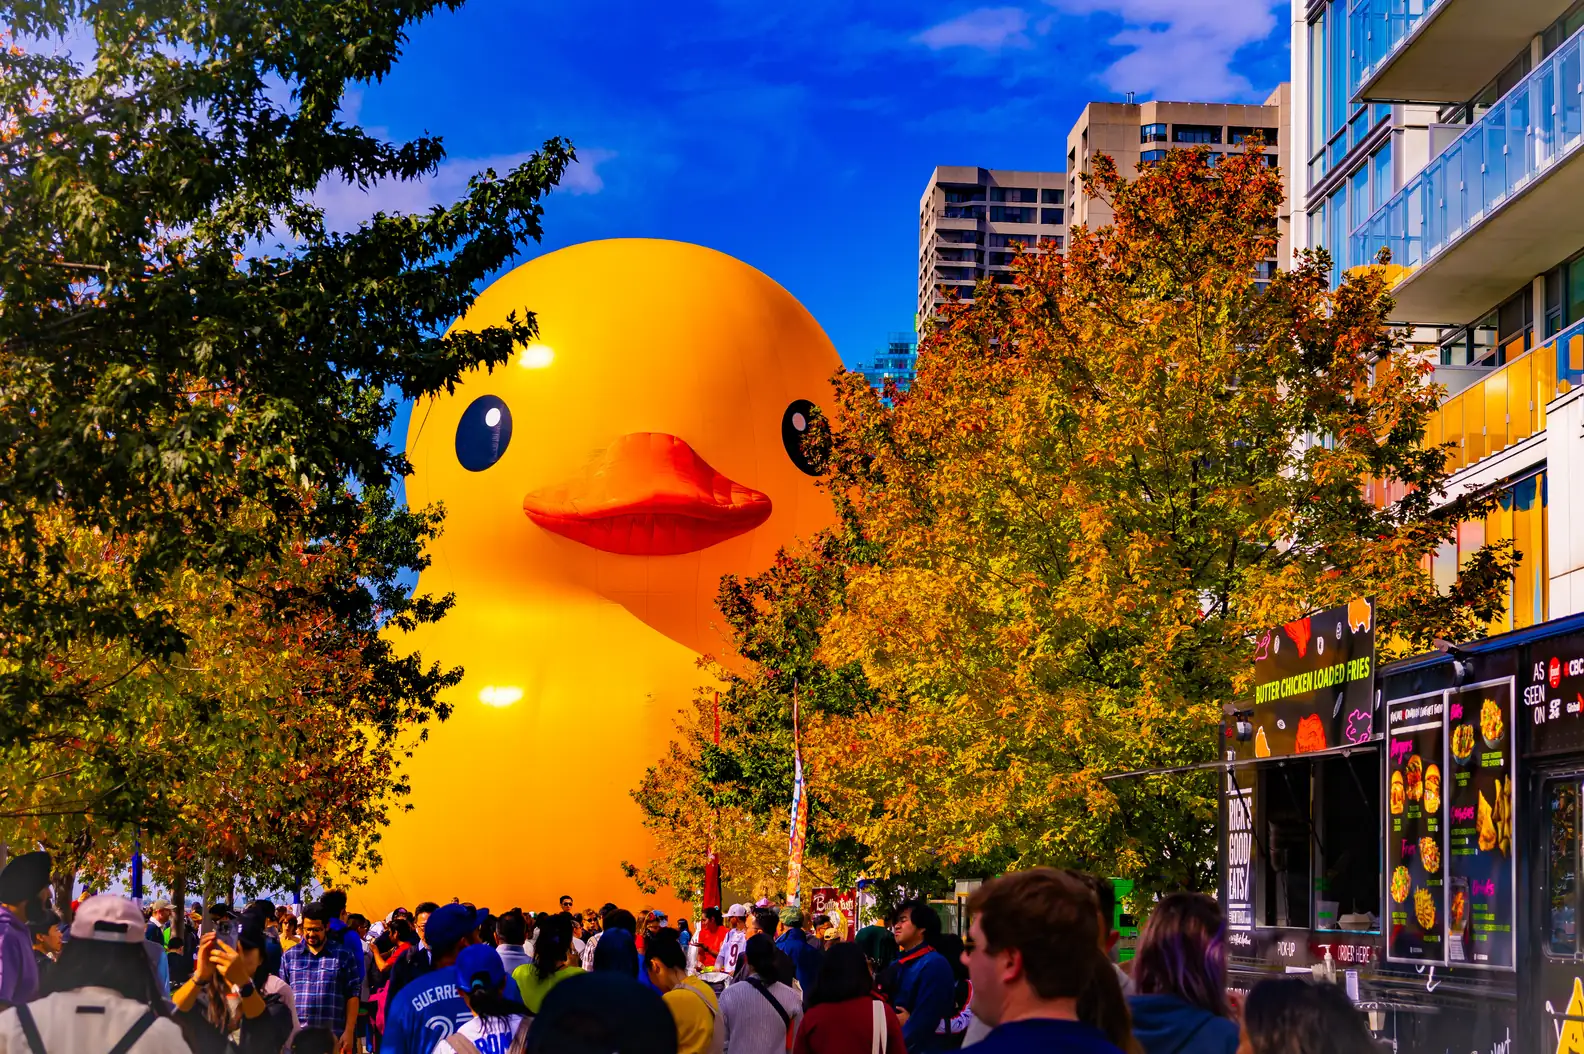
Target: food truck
<point>1412,831</point>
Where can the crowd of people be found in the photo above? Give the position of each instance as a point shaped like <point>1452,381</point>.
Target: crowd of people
<point>1034,974</point>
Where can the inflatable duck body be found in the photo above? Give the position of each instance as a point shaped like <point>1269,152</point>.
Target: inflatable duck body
<point>596,488</point>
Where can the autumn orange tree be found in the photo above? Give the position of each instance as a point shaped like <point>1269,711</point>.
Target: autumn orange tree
<point>1106,477</point>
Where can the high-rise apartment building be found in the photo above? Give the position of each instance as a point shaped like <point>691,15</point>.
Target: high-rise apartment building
<point>1138,133</point>
<point>971,221</point>
<point>1451,132</point>
<point>895,362</point>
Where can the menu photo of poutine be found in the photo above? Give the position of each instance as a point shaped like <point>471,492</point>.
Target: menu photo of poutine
<point>1401,884</point>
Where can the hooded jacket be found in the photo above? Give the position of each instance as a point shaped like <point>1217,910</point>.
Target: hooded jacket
<point>1169,1024</point>
<point>18,971</point>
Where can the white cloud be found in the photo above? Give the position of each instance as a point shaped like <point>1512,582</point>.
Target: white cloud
<point>986,29</point>
<point>346,205</point>
<point>1180,49</point>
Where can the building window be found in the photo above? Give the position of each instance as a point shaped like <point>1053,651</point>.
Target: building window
<point>1002,259</point>
<point>1052,241</point>
<point>1052,217</point>
<point>1514,325</point>
<point>1152,133</point>
<point>1009,241</point>
<point>1152,155</point>
<point>1015,194</point>
<point>1520,516</point>
<point>1574,292</point>
<point>1012,214</point>
<point>1553,301</point>
<point>1053,197</point>
<point>1381,174</point>
<point>964,212</point>
<point>961,195</point>
<point>946,234</point>
<point>955,274</point>
<point>1196,133</point>
<point>1359,194</point>
<point>1236,135</point>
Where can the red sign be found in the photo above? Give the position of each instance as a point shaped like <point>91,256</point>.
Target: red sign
<point>842,907</point>
<point>1555,674</point>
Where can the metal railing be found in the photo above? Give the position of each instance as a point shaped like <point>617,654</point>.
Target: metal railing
<point>1531,129</point>
<point>1376,29</point>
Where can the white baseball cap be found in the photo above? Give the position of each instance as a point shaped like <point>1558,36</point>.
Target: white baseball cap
<point>736,911</point>
<point>107,917</point>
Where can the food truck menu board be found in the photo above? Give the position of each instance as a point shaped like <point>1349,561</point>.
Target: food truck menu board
<point>1416,829</point>
<point>1314,683</point>
<point>1480,865</point>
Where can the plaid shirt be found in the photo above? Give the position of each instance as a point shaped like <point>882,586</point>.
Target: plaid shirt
<point>321,984</point>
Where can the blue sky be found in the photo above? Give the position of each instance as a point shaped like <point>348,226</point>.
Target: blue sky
<point>795,136</point>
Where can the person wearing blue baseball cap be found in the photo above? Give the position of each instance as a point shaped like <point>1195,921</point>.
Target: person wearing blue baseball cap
<point>428,1008</point>
<point>497,1018</point>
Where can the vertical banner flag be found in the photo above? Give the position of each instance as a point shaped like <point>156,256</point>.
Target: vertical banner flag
<point>712,889</point>
<point>799,833</point>
<point>137,869</point>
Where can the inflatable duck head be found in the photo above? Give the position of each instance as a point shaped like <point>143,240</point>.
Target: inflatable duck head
<point>649,442</point>
<point>596,488</point>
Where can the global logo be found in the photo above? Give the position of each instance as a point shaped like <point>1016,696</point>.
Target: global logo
<point>1554,677</point>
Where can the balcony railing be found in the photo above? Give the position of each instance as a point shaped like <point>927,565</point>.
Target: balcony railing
<point>1508,405</point>
<point>1532,128</point>
<point>1377,29</point>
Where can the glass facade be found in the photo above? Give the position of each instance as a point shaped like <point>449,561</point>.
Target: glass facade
<point>1338,128</point>
<point>1539,123</point>
<point>1378,28</point>
<point>1520,516</point>
<point>897,362</point>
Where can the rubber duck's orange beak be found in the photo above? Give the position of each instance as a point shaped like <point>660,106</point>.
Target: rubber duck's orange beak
<point>649,494</point>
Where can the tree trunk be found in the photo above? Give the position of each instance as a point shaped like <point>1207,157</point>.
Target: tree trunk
<point>64,885</point>
<point>179,899</point>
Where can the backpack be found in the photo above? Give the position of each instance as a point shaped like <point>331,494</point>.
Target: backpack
<point>36,1042</point>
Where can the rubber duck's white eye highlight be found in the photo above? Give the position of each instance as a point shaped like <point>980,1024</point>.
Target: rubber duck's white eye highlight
<point>484,433</point>
<point>805,437</point>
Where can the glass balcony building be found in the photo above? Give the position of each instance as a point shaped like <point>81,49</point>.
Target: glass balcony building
<point>1445,136</point>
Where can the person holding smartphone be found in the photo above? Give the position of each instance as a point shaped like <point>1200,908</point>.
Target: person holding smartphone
<point>232,991</point>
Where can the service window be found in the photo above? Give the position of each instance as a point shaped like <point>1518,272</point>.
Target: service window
<point>1285,829</point>
<point>1319,843</point>
<point>1347,828</point>
<point>1562,868</point>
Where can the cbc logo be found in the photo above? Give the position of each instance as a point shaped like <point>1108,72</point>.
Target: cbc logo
<point>1575,667</point>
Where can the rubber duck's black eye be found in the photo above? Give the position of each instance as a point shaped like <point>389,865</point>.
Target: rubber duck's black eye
<point>483,434</point>
<point>806,437</point>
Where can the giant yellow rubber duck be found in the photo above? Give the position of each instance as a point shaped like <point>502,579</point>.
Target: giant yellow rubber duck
<point>596,488</point>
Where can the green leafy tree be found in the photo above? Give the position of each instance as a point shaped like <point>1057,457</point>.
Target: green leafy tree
<point>192,365</point>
